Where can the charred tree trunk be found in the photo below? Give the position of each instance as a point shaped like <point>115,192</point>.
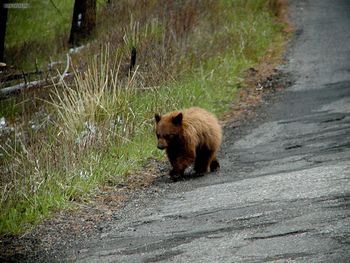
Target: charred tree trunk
<point>83,22</point>
<point>132,59</point>
<point>3,21</point>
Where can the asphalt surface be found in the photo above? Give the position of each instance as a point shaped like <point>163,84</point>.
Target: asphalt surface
<point>283,193</point>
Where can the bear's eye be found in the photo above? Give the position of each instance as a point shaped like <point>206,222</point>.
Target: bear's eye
<point>169,136</point>
<point>158,135</point>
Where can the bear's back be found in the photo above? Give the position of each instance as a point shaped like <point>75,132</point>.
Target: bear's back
<point>203,126</point>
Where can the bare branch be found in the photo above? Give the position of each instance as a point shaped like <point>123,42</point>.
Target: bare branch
<point>65,70</point>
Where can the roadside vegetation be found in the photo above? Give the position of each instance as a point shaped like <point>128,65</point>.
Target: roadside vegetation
<point>95,128</point>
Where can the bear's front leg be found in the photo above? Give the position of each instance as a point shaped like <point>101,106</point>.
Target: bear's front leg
<point>176,174</point>
<point>179,166</point>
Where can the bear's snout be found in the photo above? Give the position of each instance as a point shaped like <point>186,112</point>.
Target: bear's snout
<point>161,147</point>
<point>162,143</point>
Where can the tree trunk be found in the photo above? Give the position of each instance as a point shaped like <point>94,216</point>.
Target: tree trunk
<point>3,20</point>
<point>83,22</point>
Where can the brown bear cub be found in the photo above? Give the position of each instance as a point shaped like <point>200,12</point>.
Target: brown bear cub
<point>190,136</point>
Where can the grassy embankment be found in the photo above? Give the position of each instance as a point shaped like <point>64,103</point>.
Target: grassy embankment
<point>99,127</point>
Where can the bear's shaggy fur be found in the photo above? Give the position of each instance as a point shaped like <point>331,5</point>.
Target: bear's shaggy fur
<point>189,136</point>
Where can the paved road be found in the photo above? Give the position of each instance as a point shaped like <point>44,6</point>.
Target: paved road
<point>284,189</point>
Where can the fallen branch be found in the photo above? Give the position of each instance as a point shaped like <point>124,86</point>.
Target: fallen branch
<point>19,87</point>
<point>37,83</point>
<point>16,76</point>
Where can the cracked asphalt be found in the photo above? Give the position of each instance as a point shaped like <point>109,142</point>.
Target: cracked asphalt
<point>283,193</point>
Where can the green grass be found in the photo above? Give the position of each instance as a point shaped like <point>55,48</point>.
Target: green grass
<point>102,125</point>
<point>38,22</point>
<point>38,33</point>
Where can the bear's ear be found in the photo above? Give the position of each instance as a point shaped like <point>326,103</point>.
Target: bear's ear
<point>177,120</point>
<point>157,117</point>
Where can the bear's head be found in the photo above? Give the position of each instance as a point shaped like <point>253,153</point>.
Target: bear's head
<point>168,129</point>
